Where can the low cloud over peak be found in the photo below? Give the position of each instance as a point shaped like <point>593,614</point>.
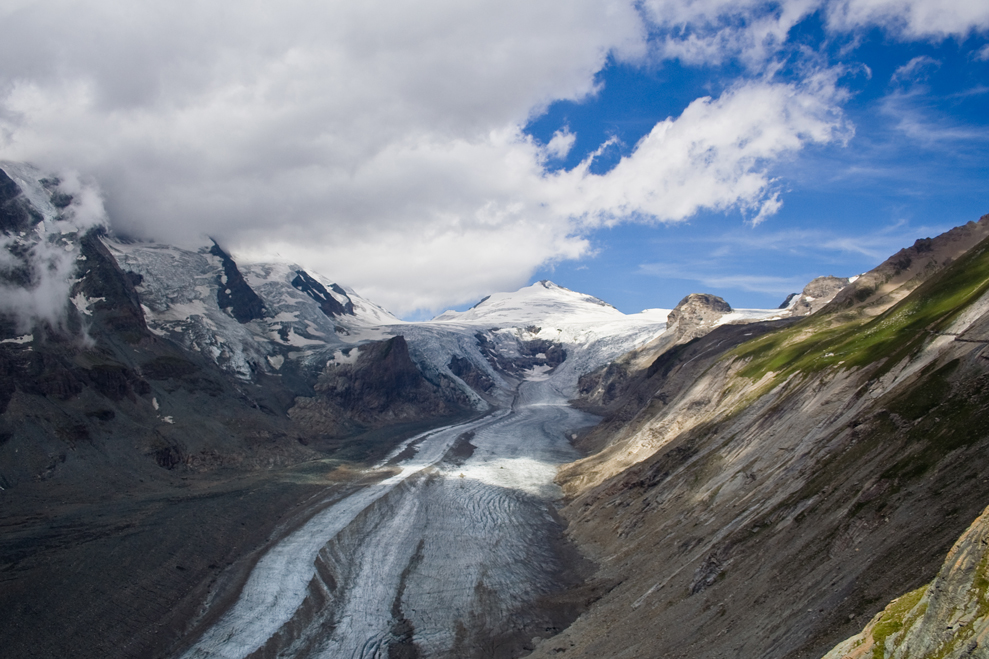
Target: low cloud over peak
<point>383,143</point>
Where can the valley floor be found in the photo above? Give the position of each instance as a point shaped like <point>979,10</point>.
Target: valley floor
<point>459,553</point>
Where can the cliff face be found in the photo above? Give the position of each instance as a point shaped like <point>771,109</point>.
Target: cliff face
<point>948,619</point>
<point>797,483</point>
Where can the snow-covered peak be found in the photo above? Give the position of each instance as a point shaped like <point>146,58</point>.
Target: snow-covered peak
<point>304,316</point>
<point>590,331</point>
<point>535,304</point>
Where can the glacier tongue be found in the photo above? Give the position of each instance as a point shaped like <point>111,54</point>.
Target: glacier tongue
<point>450,553</point>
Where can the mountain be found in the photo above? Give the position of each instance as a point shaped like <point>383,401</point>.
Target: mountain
<point>167,414</point>
<point>763,490</point>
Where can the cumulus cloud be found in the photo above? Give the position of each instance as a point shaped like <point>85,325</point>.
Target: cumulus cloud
<point>561,143</point>
<point>753,31</point>
<point>381,143</point>
<point>333,123</point>
<point>714,156</point>
<point>714,31</point>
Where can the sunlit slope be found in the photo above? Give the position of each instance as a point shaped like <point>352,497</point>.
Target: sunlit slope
<point>784,493</point>
<point>853,339</point>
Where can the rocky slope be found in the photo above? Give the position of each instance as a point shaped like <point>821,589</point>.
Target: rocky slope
<point>781,493</point>
<point>947,619</point>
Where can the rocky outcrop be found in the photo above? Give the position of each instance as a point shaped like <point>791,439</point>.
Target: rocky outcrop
<point>109,293</point>
<point>327,303</point>
<point>519,355</point>
<point>815,296</point>
<point>234,293</point>
<point>695,315</point>
<point>948,619</point>
<point>474,377</point>
<point>381,386</point>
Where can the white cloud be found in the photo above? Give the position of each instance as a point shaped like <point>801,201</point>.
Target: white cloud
<point>713,31</point>
<point>983,54</point>
<point>716,155</point>
<point>917,68</point>
<point>754,31</point>
<point>335,124</point>
<point>380,142</point>
<point>561,143</point>
<point>911,18</point>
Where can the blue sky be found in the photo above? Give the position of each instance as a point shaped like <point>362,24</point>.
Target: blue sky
<point>428,154</point>
<point>917,165</point>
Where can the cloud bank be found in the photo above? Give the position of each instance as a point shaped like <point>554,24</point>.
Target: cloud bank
<point>382,144</point>
<point>36,270</point>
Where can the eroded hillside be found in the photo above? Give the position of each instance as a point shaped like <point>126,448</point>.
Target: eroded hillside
<point>804,478</point>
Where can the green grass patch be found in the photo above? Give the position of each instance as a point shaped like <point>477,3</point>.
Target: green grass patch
<point>894,619</point>
<point>817,342</point>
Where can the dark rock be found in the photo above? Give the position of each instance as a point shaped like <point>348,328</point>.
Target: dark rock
<point>168,367</point>
<point>382,387</point>
<point>14,208</point>
<point>119,311</point>
<point>236,295</point>
<point>102,415</point>
<point>168,457</point>
<point>786,302</point>
<point>532,353</point>
<point>113,381</point>
<point>473,377</point>
<point>327,303</point>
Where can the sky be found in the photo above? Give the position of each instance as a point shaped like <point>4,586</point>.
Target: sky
<point>430,153</point>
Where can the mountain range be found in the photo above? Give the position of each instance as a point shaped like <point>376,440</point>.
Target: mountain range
<point>762,483</point>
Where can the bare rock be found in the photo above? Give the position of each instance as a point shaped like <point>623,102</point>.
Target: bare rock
<point>817,294</point>
<point>948,618</point>
<point>695,316</point>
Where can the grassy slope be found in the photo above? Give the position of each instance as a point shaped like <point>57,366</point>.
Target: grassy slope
<point>852,339</point>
